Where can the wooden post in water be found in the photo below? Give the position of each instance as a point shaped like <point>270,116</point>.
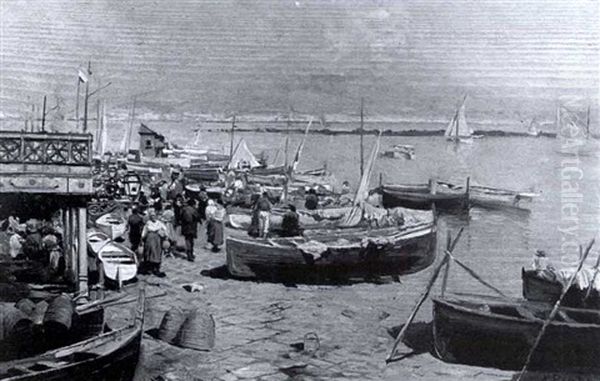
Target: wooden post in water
<point>554,311</point>
<point>362,148</point>
<point>413,314</point>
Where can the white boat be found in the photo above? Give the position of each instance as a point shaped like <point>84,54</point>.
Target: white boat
<point>458,130</point>
<point>400,151</point>
<point>112,224</point>
<point>119,263</point>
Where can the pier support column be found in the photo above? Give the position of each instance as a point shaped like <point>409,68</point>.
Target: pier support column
<point>73,244</point>
<point>82,276</point>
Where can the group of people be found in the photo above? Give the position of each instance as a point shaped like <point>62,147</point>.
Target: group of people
<point>172,211</point>
<point>39,242</point>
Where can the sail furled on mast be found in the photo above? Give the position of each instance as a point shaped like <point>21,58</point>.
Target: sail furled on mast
<point>301,147</point>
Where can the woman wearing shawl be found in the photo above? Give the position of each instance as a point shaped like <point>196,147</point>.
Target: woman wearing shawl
<point>152,235</point>
<point>215,214</point>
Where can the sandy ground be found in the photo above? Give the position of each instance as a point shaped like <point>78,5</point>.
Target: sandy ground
<point>258,323</point>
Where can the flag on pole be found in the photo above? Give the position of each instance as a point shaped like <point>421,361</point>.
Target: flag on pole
<point>83,78</point>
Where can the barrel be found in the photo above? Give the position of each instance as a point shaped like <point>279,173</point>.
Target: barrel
<point>14,323</point>
<point>26,306</point>
<point>60,313</point>
<point>197,332</point>
<point>170,324</point>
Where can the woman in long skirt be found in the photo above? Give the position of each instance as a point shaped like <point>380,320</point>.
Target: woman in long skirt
<point>215,214</point>
<point>153,234</point>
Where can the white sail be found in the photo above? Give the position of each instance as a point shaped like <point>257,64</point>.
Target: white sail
<point>458,127</point>
<point>242,157</point>
<point>301,147</point>
<point>355,215</point>
<point>533,129</point>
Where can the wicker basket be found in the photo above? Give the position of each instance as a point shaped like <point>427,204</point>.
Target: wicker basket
<point>171,324</point>
<point>197,332</point>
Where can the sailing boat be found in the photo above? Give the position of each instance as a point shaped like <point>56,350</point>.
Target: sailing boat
<point>533,129</point>
<point>573,130</point>
<point>458,130</point>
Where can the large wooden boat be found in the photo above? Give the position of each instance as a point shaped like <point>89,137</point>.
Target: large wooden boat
<point>112,224</point>
<point>107,357</point>
<point>545,287</point>
<point>119,263</point>
<point>335,254</point>
<point>488,331</point>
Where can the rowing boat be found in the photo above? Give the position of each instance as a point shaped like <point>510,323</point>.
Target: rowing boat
<point>241,218</point>
<point>420,196</point>
<point>334,254</point>
<point>110,356</point>
<point>112,224</point>
<point>119,263</point>
<point>488,331</point>
<point>545,287</point>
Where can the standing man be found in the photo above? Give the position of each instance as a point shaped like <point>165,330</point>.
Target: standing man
<point>136,225</point>
<point>189,227</point>
<point>263,207</point>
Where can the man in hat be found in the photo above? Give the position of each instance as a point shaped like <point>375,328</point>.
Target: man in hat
<point>33,247</point>
<point>540,262</point>
<point>290,225</point>
<point>136,224</point>
<point>189,227</point>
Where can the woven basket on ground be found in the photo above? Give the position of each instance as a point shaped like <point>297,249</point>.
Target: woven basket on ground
<point>197,332</point>
<point>170,324</point>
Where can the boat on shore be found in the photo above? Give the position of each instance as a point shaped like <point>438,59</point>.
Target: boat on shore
<point>544,286</point>
<point>335,254</point>
<point>489,331</point>
<point>119,263</point>
<point>109,356</point>
<point>112,224</point>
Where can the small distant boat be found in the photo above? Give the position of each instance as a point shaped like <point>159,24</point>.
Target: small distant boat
<point>110,356</point>
<point>573,130</point>
<point>112,224</point>
<point>488,331</point>
<point>545,287</point>
<point>533,129</point>
<point>334,254</point>
<point>400,151</point>
<point>458,130</point>
<point>119,263</point>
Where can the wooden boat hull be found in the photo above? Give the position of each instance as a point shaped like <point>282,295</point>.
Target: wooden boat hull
<point>421,199</point>
<point>540,289</point>
<point>402,252</point>
<point>112,225</point>
<point>495,334</point>
<point>107,357</point>
<point>309,219</point>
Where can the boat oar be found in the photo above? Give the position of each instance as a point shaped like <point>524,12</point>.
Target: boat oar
<point>413,314</point>
<point>591,286</point>
<point>554,311</point>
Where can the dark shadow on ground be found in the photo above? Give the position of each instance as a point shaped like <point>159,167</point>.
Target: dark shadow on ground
<point>221,272</point>
<point>418,337</point>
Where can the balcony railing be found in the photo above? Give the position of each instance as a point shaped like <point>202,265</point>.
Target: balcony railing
<point>45,148</point>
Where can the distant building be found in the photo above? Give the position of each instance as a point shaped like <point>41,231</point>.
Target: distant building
<point>152,143</point>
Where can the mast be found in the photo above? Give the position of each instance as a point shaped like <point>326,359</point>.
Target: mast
<point>44,115</point>
<point>587,122</point>
<point>130,130</point>
<point>87,95</point>
<point>77,102</point>
<point>232,137</point>
<point>362,153</point>
<point>287,141</point>
<point>98,127</point>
